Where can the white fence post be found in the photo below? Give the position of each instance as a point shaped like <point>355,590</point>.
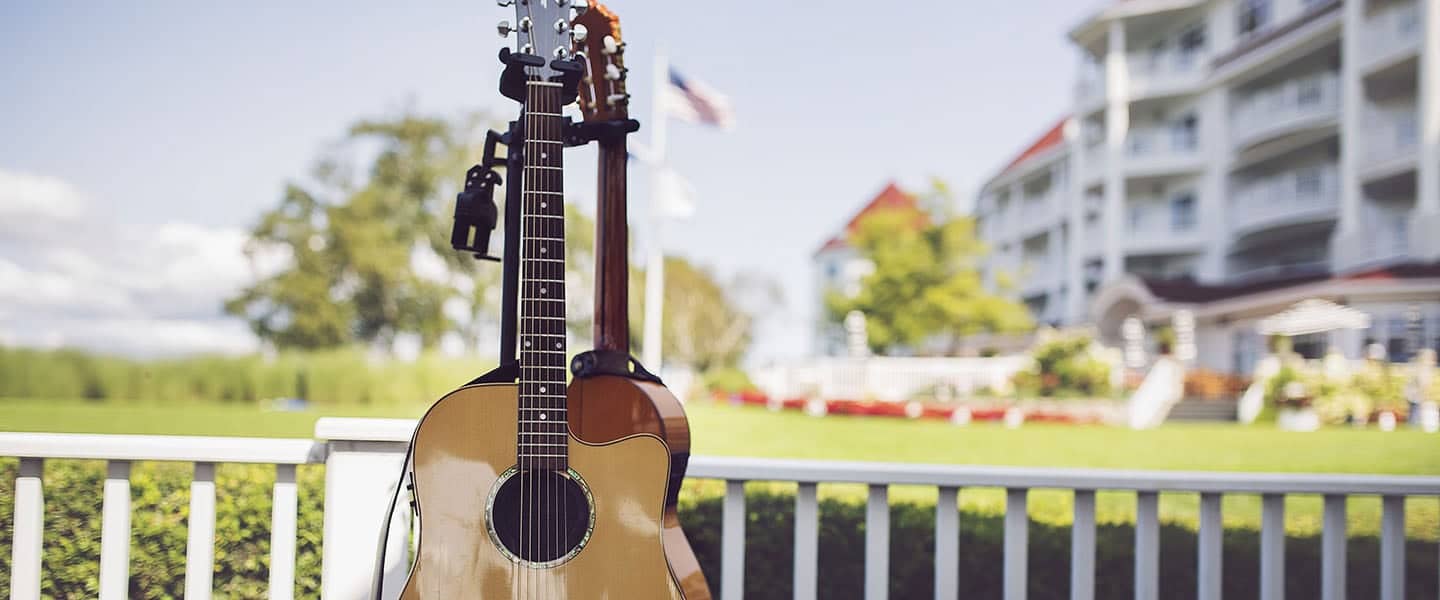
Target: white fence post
<point>200,534</point>
<point>115,532</point>
<point>947,544</point>
<point>26,546</point>
<point>807,542</point>
<point>283,514</point>
<point>1332,549</point>
<point>877,543</point>
<point>1210,567</point>
<point>1147,546</point>
<point>1272,547</point>
<point>1082,547</point>
<point>1392,548</point>
<point>1017,542</point>
<point>732,542</point>
<point>364,459</point>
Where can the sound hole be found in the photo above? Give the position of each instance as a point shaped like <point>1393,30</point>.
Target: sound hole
<point>540,517</point>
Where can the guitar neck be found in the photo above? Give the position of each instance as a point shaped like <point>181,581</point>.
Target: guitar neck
<point>612,264</point>
<point>542,415</point>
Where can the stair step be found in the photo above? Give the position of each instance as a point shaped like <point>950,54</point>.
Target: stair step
<point>1204,410</point>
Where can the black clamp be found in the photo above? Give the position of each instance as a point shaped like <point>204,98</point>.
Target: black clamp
<point>514,79</point>
<point>580,134</point>
<point>610,362</point>
<point>475,212</point>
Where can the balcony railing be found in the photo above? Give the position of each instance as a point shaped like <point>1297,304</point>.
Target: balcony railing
<point>1391,134</point>
<point>361,456</point>
<point>1274,109</point>
<point>1300,194</point>
<point>1392,31</point>
<point>1158,73</point>
<point>1160,143</point>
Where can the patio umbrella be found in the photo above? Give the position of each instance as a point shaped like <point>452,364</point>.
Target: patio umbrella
<point>1313,316</point>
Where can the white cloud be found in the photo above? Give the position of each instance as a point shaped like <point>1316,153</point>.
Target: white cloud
<point>66,280</point>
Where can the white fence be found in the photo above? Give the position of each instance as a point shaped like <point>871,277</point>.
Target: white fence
<point>890,378</point>
<point>363,455</point>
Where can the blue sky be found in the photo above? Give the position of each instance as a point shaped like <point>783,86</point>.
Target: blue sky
<point>193,115</point>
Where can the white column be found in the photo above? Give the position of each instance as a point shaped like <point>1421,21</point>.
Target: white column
<point>1348,242</point>
<point>1214,202</point>
<point>1117,125</point>
<point>360,474</point>
<point>1424,244</point>
<point>1074,212</point>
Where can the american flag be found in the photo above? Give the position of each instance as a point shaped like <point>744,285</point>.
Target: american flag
<point>690,100</point>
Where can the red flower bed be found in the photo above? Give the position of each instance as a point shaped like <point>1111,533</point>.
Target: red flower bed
<point>898,409</point>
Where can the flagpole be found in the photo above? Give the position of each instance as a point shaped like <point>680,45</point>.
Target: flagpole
<point>655,262</point>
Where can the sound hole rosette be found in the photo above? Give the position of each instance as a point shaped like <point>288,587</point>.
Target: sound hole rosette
<point>571,476</point>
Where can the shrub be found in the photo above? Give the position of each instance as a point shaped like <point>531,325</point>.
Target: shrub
<point>728,380</point>
<point>335,377</point>
<point>1065,367</point>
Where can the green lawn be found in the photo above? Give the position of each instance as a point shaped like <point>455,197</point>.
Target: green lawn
<point>751,431</point>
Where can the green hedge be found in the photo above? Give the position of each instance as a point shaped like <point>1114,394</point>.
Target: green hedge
<point>160,496</point>
<point>337,377</point>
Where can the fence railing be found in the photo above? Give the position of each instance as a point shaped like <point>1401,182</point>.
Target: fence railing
<point>891,378</point>
<point>363,455</point>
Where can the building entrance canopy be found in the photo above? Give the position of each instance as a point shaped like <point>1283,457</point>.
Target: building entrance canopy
<point>1313,316</point>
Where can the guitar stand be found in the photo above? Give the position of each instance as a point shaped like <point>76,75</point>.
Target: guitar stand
<point>476,217</point>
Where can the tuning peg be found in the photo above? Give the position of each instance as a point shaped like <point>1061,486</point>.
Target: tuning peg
<point>611,46</point>
<point>561,25</point>
<point>578,33</point>
<point>614,73</point>
<point>524,25</point>
<point>580,6</point>
<point>505,2</point>
<point>617,99</point>
<point>504,28</point>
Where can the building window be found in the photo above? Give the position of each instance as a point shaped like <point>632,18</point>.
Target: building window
<point>1307,182</point>
<point>1184,133</point>
<point>1192,43</point>
<point>1254,17</point>
<point>1308,92</point>
<point>1137,218</point>
<point>1182,212</point>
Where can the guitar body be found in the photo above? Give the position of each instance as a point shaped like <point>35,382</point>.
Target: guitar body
<point>464,451</point>
<point>607,408</point>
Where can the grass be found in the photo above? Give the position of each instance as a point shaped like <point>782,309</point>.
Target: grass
<point>722,430</point>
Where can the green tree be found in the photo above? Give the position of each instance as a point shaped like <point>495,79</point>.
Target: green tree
<point>926,285</point>
<point>350,239</point>
<point>707,324</point>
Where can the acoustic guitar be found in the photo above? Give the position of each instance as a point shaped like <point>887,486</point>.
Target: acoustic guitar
<point>511,503</point>
<point>612,396</point>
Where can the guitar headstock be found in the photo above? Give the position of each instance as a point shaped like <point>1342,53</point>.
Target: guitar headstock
<point>599,45</point>
<point>544,29</point>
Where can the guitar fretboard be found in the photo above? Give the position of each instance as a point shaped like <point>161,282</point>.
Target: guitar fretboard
<point>543,421</point>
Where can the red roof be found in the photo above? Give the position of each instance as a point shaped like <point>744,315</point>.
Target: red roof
<point>890,197</point>
<point>1052,138</point>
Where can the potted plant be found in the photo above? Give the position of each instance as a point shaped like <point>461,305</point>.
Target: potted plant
<point>1295,406</point>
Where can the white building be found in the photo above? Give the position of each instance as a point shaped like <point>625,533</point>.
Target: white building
<point>1230,157</point>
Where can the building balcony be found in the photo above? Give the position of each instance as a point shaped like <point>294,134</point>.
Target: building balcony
<point>1158,235</point>
<point>1038,275</point>
<point>1300,196</point>
<point>1295,105</point>
<point>1390,140</point>
<point>1165,73</point>
<point>1391,34</point>
<point>1161,150</point>
<point>1037,214</point>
